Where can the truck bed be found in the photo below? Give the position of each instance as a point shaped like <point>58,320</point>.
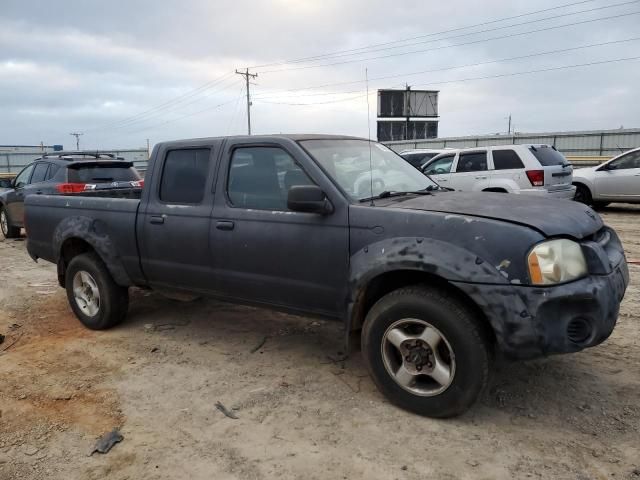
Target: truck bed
<point>109,219</point>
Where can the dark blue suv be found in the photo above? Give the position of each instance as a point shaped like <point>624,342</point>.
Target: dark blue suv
<point>63,173</point>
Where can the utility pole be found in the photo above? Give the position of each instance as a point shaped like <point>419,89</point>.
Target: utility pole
<point>246,76</point>
<point>77,135</point>
<point>509,130</point>
<point>148,151</point>
<point>407,108</point>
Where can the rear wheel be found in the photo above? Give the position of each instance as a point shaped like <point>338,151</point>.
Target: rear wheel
<point>426,351</point>
<point>583,195</point>
<point>8,230</point>
<point>98,302</point>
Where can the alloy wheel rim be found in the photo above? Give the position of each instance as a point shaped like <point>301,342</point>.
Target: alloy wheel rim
<point>418,357</point>
<point>4,224</point>
<point>86,293</point>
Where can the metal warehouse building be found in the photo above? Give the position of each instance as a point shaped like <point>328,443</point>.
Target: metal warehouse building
<point>595,143</point>
<point>14,158</point>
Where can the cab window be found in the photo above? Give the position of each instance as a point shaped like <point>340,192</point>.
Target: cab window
<point>184,176</point>
<point>472,162</point>
<point>440,166</point>
<point>260,178</point>
<point>631,160</point>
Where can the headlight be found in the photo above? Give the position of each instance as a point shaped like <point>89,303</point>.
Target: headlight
<point>556,261</point>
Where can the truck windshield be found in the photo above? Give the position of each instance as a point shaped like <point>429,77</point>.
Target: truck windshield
<point>347,162</point>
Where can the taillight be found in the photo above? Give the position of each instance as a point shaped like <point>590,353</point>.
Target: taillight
<point>536,177</point>
<point>71,187</point>
<point>138,183</point>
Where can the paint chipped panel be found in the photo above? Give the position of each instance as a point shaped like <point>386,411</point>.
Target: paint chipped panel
<point>95,233</point>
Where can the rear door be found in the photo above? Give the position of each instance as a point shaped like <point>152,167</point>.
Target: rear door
<point>507,169</point>
<point>38,183</point>
<point>440,169</point>
<point>470,172</point>
<point>558,172</point>
<point>174,227</point>
<point>620,179</point>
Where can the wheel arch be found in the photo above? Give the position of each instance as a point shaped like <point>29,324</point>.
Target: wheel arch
<point>386,282</point>
<point>77,235</point>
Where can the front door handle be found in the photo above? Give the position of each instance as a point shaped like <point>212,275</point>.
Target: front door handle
<point>481,178</point>
<point>39,192</point>
<point>157,219</point>
<point>224,225</point>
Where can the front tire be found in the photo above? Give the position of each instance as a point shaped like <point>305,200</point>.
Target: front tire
<point>8,230</point>
<point>98,302</point>
<point>583,194</point>
<point>426,351</point>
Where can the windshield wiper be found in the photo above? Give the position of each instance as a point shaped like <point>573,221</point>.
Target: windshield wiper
<point>392,193</point>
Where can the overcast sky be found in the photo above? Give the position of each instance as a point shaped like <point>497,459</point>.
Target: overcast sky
<point>123,71</point>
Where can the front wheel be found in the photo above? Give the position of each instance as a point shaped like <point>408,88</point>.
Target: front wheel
<point>426,351</point>
<point>98,302</point>
<point>583,195</point>
<point>5,225</point>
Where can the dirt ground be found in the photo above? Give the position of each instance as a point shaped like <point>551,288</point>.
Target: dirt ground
<point>302,412</point>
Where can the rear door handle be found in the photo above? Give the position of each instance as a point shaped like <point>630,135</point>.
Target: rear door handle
<point>481,178</point>
<point>157,219</point>
<point>224,225</point>
<point>39,192</point>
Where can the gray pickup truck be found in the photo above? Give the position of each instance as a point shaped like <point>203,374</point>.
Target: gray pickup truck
<point>433,281</point>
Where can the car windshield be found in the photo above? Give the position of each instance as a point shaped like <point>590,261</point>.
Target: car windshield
<point>347,162</point>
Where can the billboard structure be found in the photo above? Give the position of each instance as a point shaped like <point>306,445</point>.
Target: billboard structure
<point>398,108</point>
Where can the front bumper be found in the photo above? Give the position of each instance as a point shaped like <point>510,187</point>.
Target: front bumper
<point>563,193</point>
<point>531,321</point>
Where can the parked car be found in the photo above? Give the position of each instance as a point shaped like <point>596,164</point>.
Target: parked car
<point>524,169</point>
<point>432,280</point>
<point>617,180</point>
<point>63,172</point>
<point>418,157</point>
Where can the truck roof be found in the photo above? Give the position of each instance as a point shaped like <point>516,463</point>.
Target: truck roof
<point>295,137</point>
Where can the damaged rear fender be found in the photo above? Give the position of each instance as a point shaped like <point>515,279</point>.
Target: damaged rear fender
<point>83,233</point>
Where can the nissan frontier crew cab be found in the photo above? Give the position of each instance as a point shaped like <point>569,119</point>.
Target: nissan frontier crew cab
<point>434,281</point>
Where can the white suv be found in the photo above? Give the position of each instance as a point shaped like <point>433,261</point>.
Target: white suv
<point>524,169</point>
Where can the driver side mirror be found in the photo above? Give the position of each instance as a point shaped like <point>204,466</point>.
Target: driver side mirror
<point>606,168</point>
<point>309,199</point>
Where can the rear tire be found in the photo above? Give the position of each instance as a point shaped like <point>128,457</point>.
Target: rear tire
<point>98,302</point>
<point>397,339</point>
<point>583,194</point>
<point>8,230</point>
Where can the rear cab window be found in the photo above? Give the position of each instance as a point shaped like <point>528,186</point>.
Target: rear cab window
<point>547,156</point>
<point>184,176</point>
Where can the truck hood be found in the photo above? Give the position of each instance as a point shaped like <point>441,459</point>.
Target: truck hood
<point>550,217</point>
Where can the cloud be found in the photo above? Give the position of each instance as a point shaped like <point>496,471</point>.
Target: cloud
<point>114,69</point>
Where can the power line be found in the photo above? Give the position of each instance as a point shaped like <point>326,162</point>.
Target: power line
<point>273,94</point>
<point>164,105</point>
<point>442,47</point>
<point>469,79</point>
<point>370,50</point>
<point>425,35</point>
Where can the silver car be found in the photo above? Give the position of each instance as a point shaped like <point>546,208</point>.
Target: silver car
<point>617,180</point>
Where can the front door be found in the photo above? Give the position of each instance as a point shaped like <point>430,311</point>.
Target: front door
<point>267,253</point>
<point>620,179</point>
<point>15,199</point>
<point>174,227</point>
<point>440,170</point>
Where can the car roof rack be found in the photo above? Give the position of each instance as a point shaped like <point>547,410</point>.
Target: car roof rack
<point>82,153</point>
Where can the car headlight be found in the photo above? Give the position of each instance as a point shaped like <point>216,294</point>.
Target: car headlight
<point>556,261</point>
